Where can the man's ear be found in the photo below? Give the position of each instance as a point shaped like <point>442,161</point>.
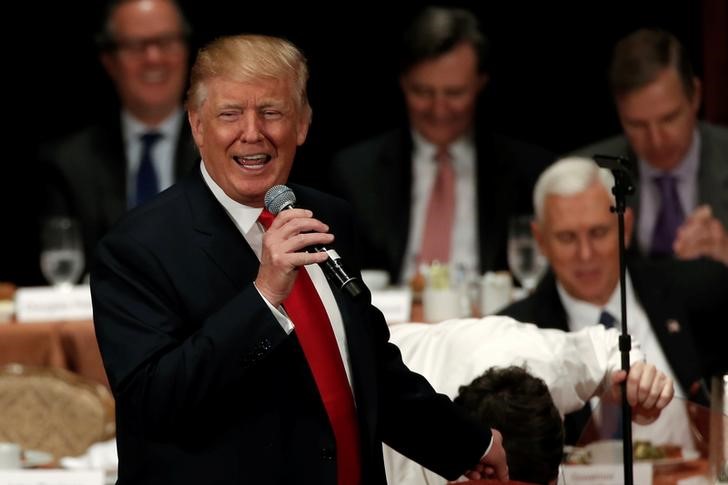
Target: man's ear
<point>697,96</point>
<point>538,235</point>
<point>483,80</point>
<point>107,60</point>
<point>193,116</point>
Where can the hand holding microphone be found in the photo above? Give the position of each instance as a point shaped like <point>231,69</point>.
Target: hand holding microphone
<point>296,239</point>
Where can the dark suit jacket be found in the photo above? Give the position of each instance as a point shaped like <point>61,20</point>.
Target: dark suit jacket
<point>85,176</point>
<point>692,293</point>
<point>375,176</point>
<point>712,182</point>
<point>210,389</point>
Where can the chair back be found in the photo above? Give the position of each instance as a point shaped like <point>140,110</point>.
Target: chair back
<point>53,410</point>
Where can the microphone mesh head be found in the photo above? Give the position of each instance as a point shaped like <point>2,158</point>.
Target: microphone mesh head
<point>279,197</point>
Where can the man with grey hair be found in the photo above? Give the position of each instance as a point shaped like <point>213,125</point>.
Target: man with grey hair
<point>441,186</point>
<point>231,357</point>
<point>674,306</point>
<point>681,205</point>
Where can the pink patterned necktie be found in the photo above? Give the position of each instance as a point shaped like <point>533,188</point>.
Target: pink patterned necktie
<point>437,233</point>
<point>313,329</point>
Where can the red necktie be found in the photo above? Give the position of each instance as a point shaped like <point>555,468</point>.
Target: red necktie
<point>437,234</point>
<point>317,340</point>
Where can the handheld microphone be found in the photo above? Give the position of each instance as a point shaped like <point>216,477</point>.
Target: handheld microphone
<point>280,197</point>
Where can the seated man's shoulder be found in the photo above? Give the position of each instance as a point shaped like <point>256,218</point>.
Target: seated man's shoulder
<point>718,133</point>
<point>80,147</point>
<point>373,146</point>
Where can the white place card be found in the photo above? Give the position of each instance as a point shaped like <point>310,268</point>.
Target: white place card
<point>44,303</point>
<point>395,304</point>
<point>604,474</point>
<point>52,477</point>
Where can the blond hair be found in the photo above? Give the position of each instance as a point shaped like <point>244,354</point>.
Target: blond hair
<point>247,58</point>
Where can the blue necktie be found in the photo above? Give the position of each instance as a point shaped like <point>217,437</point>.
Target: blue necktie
<point>147,184</point>
<point>669,217</point>
<point>611,412</point>
<point>607,319</point>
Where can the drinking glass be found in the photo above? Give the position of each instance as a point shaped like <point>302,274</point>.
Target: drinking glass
<point>61,257</point>
<point>526,262</point>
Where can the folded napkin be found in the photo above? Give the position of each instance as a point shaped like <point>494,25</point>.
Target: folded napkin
<point>99,455</point>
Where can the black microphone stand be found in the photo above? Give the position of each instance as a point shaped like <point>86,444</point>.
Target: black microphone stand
<point>623,186</point>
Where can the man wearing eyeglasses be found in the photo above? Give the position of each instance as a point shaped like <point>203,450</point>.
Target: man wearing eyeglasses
<point>115,164</point>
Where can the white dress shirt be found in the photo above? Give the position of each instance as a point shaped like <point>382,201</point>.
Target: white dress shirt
<point>163,150</point>
<point>673,425</point>
<point>464,250</point>
<point>246,220</point>
<point>453,353</point>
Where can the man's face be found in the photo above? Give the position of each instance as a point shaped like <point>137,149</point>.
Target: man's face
<point>441,94</point>
<point>247,134</point>
<point>149,64</point>
<point>659,119</point>
<point>578,235</point>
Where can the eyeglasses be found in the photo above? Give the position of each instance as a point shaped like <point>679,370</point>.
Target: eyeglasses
<point>167,43</point>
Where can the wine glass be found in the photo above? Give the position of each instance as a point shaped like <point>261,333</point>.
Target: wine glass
<point>61,257</point>
<point>524,258</point>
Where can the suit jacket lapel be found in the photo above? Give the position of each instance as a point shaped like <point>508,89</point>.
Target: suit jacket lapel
<point>548,305</point>
<point>112,157</point>
<point>669,319</point>
<point>492,202</point>
<point>216,233</point>
<point>396,194</point>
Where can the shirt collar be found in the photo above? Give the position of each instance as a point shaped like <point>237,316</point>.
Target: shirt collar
<point>582,314</point>
<point>131,127</point>
<point>460,149</point>
<point>244,216</point>
<point>686,169</point>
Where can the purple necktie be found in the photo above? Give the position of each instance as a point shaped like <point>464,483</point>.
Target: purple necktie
<point>669,217</point>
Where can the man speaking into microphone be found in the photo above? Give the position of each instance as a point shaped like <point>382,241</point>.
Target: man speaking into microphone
<point>232,358</point>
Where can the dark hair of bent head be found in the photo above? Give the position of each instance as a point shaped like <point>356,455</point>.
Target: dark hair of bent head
<point>519,406</point>
<point>640,57</point>
<point>104,38</point>
<point>437,30</point>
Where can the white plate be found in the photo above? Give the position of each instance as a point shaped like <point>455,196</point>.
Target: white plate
<point>35,458</point>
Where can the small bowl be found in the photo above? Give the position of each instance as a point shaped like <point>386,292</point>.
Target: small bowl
<point>375,279</point>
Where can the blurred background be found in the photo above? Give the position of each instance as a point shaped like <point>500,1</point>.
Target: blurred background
<point>548,83</point>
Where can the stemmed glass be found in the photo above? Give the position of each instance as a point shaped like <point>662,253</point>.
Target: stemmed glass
<point>524,258</point>
<point>61,257</point>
